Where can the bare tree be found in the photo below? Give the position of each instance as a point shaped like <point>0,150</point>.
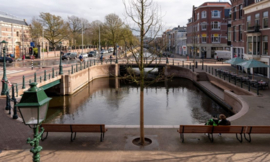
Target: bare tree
<point>146,17</point>
<point>76,25</point>
<point>55,28</point>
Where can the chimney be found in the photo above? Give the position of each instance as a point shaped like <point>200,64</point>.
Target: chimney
<point>24,20</point>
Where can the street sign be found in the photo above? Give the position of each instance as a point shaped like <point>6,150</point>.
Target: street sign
<point>32,44</point>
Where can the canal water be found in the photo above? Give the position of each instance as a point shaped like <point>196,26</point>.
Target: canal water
<point>113,101</point>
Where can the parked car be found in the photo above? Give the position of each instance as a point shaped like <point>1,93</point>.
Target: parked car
<point>103,52</point>
<point>8,59</point>
<point>222,55</point>
<point>68,56</point>
<point>92,54</point>
<point>84,55</point>
<point>110,50</point>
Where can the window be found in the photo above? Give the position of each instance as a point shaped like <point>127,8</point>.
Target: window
<point>198,16</point>
<point>215,14</point>
<point>265,45</point>
<point>204,13</point>
<point>256,1</point>
<point>204,26</point>
<point>17,33</point>
<point>216,25</point>
<point>229,34</point>
<point>234,13</point>
<point>215,38</point>
<point>265,19</point>
<point>249,45</point>
<point>204,38</point>
<point>240,11</point>
<point>240,33</point>
<point>248,22</point>
<point>257,19</point>
<point>234,34</point>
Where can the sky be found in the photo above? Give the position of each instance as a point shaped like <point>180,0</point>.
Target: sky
<point>176,12</point>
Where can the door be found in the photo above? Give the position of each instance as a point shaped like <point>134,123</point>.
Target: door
<point>17,52</point>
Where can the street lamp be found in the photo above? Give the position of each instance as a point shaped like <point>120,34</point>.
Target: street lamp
<point>33,109</point>
<point>60,65</point>
<point>4,79</point>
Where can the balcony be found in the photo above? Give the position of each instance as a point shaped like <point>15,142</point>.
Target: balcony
<point>254,29</point>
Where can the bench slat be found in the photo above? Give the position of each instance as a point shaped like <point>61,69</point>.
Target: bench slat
<point>74,127</point>
<point>258,129</point>
<point>56,127</point>
<point>210,129</point>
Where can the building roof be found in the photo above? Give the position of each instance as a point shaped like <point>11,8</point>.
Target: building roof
<point>11,19</point>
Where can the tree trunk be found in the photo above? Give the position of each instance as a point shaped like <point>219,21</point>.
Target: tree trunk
<point>142,112</point>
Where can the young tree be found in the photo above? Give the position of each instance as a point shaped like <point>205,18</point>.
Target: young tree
<point>146,16</point>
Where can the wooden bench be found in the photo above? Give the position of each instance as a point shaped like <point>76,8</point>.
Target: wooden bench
<point>256,130</point>
<point>74,128</point>
<point>220,85</point>
<point>211,130</point>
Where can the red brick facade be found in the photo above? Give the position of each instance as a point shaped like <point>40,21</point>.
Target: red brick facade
<point>207,29</point>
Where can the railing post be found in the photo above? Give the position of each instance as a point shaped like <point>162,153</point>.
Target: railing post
<point>212,71</point>
<point>23,82</point>
<point>71,69</point>
<point>40,79</point>
<point>45,75</point>
<point>189,65</point>
<point>35,77</point>
<point>173,62</point>
<point>202,64</point>
<point>68,72</point>
<point>94,62</point>
<point>258,89</point>
<point>182,63</point>
<point>248,85</point>
<point>196,64</point>
<point>8,107</point>
<point>52,72</point>
<point>80,65</point>
<point>84,65</point>
<point>17,90</point>
<point>215,72</point>
<point>15,116</point>
<point>229,78</point>
<point>206,68</point>
<point>49,76</point>
<point>241,82</point>
<point>234,80</point>
<point>193,68</point>
<point>76,67</point>
<point>87,63</point>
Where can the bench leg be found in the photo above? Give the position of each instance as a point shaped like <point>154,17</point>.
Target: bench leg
<point>210,136</point>
<point>71,137</point>
<point>249,137</point>
<point>101,139</point>
<point>182,137</point>
<point>43,139</point>
<point>241,139</point>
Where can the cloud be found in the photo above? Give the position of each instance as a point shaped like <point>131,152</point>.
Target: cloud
<point>176,12</point>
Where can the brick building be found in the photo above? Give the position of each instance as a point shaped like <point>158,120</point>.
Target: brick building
<point>207,29</point>
<point>16,32</point>
<point>257,33</point>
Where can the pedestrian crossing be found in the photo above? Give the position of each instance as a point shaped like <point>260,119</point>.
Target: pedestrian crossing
<point>11,71</point>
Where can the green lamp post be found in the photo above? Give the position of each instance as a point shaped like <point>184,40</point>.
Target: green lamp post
<point>4,79</point>
<point>33,109</point>
<point>60,65</point>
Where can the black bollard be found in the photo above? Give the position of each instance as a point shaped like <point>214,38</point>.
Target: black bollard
<point>196,64</point>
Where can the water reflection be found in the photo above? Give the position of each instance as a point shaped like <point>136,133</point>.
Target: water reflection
<point>116,102</point>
